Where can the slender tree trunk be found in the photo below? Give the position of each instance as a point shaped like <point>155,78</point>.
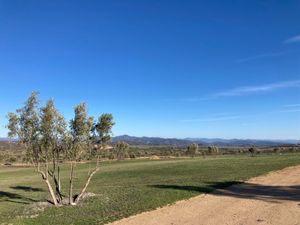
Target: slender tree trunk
<point>45,178</point>
<point>88,181</point>
<point>57,187</point>
<point>86,184</point>
<point>71,184</point>
<point>51,192</point>
<point>58,177</point>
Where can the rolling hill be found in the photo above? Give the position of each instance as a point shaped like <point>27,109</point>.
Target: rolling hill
<point>201,141</point>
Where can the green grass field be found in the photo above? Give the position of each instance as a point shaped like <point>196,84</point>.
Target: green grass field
<point>129,187</point>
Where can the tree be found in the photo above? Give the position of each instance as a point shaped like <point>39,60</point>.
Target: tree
<point>192,150</point>
<point>213,150</point>
<point>80,138</point>
<point>103,129</point>
<point>203,154</point>
<point>253,151</point>
<point>48,141</point>
<point>52,132</point>
<point>121,148</point>
<point>100,133</point>
<point>30,127</point>
<point>277,150</point>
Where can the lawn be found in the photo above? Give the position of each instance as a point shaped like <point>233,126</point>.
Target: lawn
<point>129,187</point>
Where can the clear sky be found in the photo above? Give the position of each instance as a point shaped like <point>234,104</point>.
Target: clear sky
<point>228,69</point>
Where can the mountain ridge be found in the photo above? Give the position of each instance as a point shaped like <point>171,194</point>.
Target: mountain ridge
<point>144,140</point>
<point>202,141</point>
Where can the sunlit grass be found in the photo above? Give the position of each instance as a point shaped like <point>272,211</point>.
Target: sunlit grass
<point>128,187</point>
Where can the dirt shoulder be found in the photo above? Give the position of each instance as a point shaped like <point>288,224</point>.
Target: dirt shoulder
<point>272,199</point>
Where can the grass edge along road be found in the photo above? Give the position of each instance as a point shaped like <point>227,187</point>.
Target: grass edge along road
<point>129,187</point>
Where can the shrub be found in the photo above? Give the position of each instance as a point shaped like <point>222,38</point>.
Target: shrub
<point>253,151</point>
<point>112,156</point>
<point>192,150</point>
<point>120,150</point>
<point>132,155</point>
<point>12,159</point>
<point>213,150</point>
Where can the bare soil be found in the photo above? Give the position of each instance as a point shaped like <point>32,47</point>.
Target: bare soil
<point>272,199</point>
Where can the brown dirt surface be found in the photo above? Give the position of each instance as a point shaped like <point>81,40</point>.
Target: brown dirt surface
<point>154,157</point>
<point>272,199</point>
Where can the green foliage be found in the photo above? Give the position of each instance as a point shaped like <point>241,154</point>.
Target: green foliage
<point>52,132</point>
<point>253,151</point>
<point>12,159</point>
<point>112,156</point>
<point>24,124</point>
<point>277,150</point>
<point>13,121</point>
<point>47,141</point>
<point>103,128</point>
<point>81,127</point>
<point>192,150</point>
<point>132,155</point>
<point>213,150</point>
<point>120,149</point>
<point>177,154</point>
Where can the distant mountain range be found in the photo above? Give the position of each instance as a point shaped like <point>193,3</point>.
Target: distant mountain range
<point>5,139</point>
<point>203,141</point>
<point>151,140</point>
<point>132,140</point>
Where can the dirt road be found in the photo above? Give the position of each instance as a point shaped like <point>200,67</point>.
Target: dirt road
<point>273,199</point>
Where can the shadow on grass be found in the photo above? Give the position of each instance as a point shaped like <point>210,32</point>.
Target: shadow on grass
<point>27,188</point>
<point>16,198</point>
<point>243,190</point>
<point>202,189</point>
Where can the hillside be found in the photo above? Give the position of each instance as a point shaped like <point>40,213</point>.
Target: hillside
<point>201,141</point>
<point>151,140</point>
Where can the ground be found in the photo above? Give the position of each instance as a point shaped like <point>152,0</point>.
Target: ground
<point>271,199</point>
<point>127,188</point>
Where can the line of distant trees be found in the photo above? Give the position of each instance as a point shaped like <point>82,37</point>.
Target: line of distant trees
<point>13,152</point>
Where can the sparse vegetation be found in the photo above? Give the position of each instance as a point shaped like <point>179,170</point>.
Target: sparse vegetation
<point>192,150</point>
<point>213,150</point>
<point>253,151</point>
<point>121,149</point>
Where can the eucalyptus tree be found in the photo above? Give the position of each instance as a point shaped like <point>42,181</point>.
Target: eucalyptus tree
<point>52,137</point>
<point>81,127</point>
<point>121,148</point>
<point>213,150</point>
<point>38,130</point>
<point>192,149</point>
<point>253,151</point>
<point>85,132</point>
<point>101,135</point>
<point>103,129</point>
<point>48,141</point>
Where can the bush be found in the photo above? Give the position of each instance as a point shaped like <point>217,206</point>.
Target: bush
<point>192,150</point>
<point>112,156</point>
<point>213,150</point>
<point>11,159</point>
<point>132,155</point>
<point>177,154</point>
<point>253,151</point>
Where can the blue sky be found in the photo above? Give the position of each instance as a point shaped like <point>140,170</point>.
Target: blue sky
<point>228,69</point>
